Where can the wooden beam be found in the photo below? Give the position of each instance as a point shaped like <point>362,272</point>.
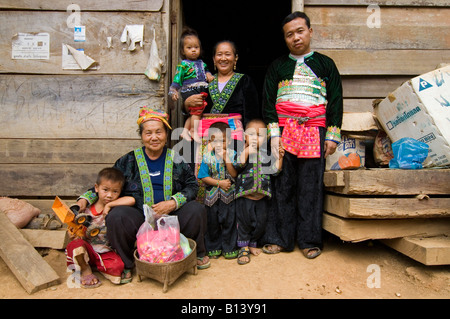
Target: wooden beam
<point>30,269</point>
<point>85,5</point>
<point>382,208</point>
<point>99,26</point>
<point>399,3</point>
<point>48,180</point>
<point>79,151</point>
<point>356,230</point>
<point>400,28</point>
<point>85,107</point>
<point>380,181</point>
<point>44,238</point>
<point>429,251</point>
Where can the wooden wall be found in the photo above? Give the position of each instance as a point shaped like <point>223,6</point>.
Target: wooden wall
<point>413,38</point>
<point>58,128</point>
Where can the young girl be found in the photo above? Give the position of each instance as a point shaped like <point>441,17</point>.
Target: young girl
<point>218,173</point>
<point>191,77</point>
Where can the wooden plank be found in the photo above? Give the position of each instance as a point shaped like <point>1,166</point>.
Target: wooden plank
<point>85,5</point>
<point>430,251</point>
<point>371,86</point>
<point>74,106</point>
<point>48,179</point>
<point>44,238</point>
<point>99,26</point>
<point>83,151</point>
<point>400,28</point>
<point>30,269</point>
<point>380,181</point>
<point>382,208</point>
<point>387,62</point>
<point>356,230</point>
<point>358,105</point>
<point>402,3</point>
<point>45,205</point>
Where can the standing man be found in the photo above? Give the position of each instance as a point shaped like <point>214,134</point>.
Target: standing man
<point>302,107</point>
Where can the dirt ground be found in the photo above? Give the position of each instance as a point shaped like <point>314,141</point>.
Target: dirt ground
<point>343,271</point>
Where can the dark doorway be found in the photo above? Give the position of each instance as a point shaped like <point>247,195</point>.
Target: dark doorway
<point>254,26</point>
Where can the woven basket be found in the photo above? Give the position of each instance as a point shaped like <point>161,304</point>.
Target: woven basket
<point>167,273</point>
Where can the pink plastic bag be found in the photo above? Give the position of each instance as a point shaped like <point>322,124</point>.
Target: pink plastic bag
<point>161,245</point>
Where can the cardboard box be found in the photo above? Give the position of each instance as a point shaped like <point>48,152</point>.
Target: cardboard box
<point>420,109</point>
<point>350,154</point>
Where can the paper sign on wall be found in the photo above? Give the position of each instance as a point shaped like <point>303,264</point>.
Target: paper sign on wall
<point>31,46</point>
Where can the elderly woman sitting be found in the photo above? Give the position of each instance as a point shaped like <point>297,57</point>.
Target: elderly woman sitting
<point>156,176</point>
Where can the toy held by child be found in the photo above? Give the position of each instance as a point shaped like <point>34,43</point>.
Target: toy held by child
<point>83,253</point>
<point>191,77</point>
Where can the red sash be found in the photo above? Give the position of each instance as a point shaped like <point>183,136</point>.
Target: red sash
<point>301,128</point>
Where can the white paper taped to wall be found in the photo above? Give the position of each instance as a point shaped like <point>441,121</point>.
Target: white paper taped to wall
<point>31,46</point>
<point>73,59</point>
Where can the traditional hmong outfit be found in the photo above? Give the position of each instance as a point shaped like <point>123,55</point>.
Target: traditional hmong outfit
<point>302,99</point>
<point>220,206</point>
<point>97,251</point>
<point>178,183</point>
<point>190,79</point>
<point>235,104</point>
<point>251,215</point>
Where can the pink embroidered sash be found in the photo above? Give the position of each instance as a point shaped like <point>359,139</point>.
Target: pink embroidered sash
<point>301,128</point>
<point>233,120</point>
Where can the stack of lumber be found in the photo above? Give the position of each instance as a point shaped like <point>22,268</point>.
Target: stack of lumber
<point>408,209</point>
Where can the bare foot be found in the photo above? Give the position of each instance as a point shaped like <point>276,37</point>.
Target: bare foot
<point>255,251</point>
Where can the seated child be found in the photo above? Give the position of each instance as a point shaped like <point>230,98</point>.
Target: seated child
<point>218,173</point>
<point>253,189</point>
<point>82,253</point>
<point>191,78</point>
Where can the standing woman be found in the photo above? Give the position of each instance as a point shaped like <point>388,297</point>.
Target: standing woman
<point>157,176</point>
<point>232,99</point>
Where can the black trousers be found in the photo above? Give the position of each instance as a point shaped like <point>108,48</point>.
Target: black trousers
<point>251,216</point>
<point>123,222</point>
<point>222,233</point>
<point>296,208</point>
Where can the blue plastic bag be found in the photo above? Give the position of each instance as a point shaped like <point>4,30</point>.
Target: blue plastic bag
<point>409,153</point>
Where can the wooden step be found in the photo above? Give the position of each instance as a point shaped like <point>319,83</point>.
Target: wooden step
<point>384,181</point>
<point>356,230</point>
<point>429,251</point>
<point>387,207</point>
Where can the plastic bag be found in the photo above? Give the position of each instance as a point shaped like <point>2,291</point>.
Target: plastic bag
<point>154,64</point>
<point>409,153</point>
<point>160,245</point>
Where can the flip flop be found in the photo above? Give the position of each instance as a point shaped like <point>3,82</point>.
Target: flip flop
<point>244,252</point>
<point>268,250</point>
<point>306,252</point>
<point>203,266</point>
<point>126,280</point>
<point>88,279</point>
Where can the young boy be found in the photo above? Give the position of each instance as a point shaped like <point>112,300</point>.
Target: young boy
<point>83,253</point>
<point>253,189</point>
<point>218,173</point>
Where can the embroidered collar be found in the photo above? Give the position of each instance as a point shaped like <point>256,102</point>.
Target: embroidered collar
<point>146,179</point>
<point>220,99</point>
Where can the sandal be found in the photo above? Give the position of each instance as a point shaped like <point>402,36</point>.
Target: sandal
<point>244,252</point>
<point>204,265</point>
<point>307,252</point>
<point>88,279</point>
<point>268,249</point>
<point>214,254</point>
<point>231,254</point>
<point>125,279</point>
